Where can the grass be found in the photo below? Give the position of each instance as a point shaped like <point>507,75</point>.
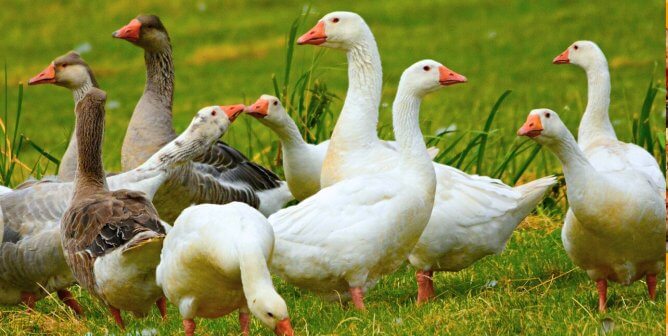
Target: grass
<point>233,52</point>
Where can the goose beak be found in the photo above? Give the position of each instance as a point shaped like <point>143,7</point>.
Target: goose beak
<point>129,32</point>
<point>259,109</point>
<point>448,77</point>
<point>562,58</point>
<point>47,76</point>
<point>532,127</point>
<point>315,36</point>
<point>233,111</point>
<point>284,328</point>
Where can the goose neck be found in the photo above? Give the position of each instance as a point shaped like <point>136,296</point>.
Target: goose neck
<point>255,276</point>
<point>287,131</point>
<point>596,121</point>
<point>359,116</point>
<point>68,162</point>
<point>160,76</point>
<point>576,167</point>
<point>405,119</point>
<point>89,133</point>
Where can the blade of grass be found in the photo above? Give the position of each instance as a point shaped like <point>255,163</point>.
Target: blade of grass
<point>485,131</point>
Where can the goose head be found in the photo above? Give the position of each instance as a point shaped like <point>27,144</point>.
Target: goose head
<point>268,108</point>
<point>543,126</point>
<point>338,30</point>
<point>271,310</point>
<point>427,76</point>
<point>146,31</point>
<point>213,120</point>
<point>581,53</point>
<point>68,70</point>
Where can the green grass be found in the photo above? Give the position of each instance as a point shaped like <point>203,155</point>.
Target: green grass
<point>233,52</point>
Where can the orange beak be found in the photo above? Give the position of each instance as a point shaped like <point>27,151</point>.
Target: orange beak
<point>315,36</point>
<point>129,32</point>
<point>233,111</point>
<point>532,127</point>
<point>47,76</point>
<point>259,109</point>
<point>449,77</point>
<point>284,328</point>
<point>562,58</point>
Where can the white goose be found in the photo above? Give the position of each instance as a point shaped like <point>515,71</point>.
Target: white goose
<point>32,263</point>
<point>473,216</point>
<point>302,162</point>
<point>214,261</point>
<point>348,235</point>
<point>614,227</point>
<point>596,136</point>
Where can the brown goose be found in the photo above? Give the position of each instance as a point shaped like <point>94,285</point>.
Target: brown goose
<point>225,175</point>
<point>112,239</point>
<point>72,72</point>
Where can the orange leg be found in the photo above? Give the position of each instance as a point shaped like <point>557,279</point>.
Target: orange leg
<point>162,307</point>
<point>425,286</point>
<point>29,300</point>
<point>189,327</point>
<point>651,285</point>
<point>67,298</point>
<point>117,317</point>
<point>602,286</point>
<point>358,297</point>
<point>244,323</point>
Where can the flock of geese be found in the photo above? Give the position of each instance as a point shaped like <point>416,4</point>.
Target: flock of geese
<point>366,205</point>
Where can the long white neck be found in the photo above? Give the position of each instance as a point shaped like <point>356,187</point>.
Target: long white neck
<point>359,117</point>
<point>595,122</point>
<point>184,148</point>
<point>255,276</point>
<point>287,132</point>
<point>68,163</point>
<point>412,149</point>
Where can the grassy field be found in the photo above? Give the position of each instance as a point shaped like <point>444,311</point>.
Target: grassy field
<point>227,53</point>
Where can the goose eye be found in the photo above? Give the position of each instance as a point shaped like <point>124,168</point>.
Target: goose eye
<point>335,20</point>
<point>213,113</point>
<point>575,47</point>
<point>270,314</point>
<point>426,68</point>
<point>64,65</point>
<point>547,115</point>
<point>275,102</point>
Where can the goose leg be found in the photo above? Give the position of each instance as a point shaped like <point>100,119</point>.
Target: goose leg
<point>244,321</point>
<point>425,286</point>
<point>29,299</point>
<point>651,285</point>
<point>358,297</point>
<point>189,327</point>
<point>162,307</point>
<point>117,317</point>
<point>67,298</point>
<point>602,286</point>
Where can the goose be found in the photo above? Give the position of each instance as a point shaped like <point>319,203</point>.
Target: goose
<point>214,261</point>
<point>224,174</point>
<point>596,134</point>
<point>112,239</point>
<point>72,72</point>
<point>302,161</point>
<point>32,262</point>
<point>473,216</point>
<point>614,227</point>
<point>347,235</point>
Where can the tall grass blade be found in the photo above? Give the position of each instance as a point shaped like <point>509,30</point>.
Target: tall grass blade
<point>525,165</point>
<point>485,131</point>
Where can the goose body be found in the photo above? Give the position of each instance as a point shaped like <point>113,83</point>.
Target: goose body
<point>224,173</point>
<point>214,262</point>
<point>614,228</point>
<point>473,216</point>
<point>348,235</point>
<point>32,263</point>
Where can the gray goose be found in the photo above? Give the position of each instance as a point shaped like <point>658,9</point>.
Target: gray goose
<point>224,175</point>
<point>72,72</point>
<point>32,263</point>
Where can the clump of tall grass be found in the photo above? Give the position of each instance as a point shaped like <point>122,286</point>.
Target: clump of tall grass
<point>12,169</point>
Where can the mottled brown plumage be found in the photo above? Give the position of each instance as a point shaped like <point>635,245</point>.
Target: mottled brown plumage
<point>99,222</point>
